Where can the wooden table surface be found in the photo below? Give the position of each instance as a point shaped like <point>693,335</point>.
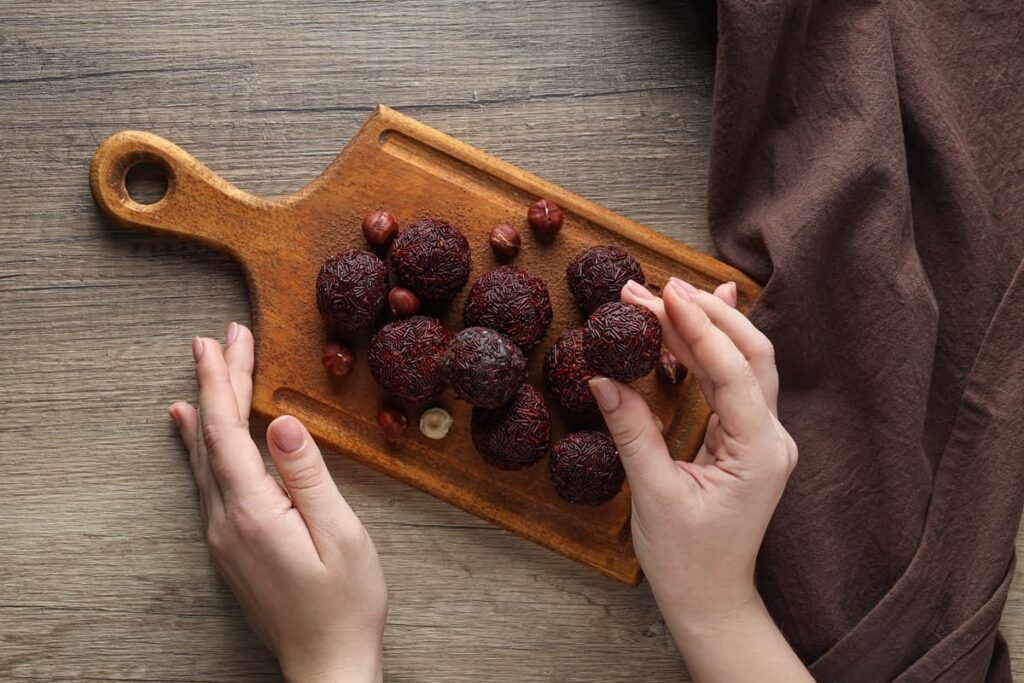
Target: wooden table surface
<point>105,575</point>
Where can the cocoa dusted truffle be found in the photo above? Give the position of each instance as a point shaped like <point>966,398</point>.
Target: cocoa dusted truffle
<point>483,367</point>
<point>407,358</point>
<point>567,372</point>
<point>517,434</point>
<point>431,258</point>
<point>623,341</point>
<point>585,468</point>
<point>596,276</point>
<point>351,290</point>
<point>512,301</point>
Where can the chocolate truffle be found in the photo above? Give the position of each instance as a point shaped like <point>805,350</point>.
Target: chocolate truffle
<point>351,290</point>
<point>622,341</point>
<point>407,358</point>
<point>431,258</point>
<point>585,468</point>
<point>517,434</point>
<point>567,372</point>
<point>483,367</point>
<point>596,276</point>
<point>512,301</point>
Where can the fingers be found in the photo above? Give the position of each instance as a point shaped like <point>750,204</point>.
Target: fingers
<point>751,342</point>
<point>304,474</point>
<point>727,293</point>
<point>187,420</point>
<point>644,455</point>
<point>238,355</point>
<point>235,461</point>
<point>739,402</point>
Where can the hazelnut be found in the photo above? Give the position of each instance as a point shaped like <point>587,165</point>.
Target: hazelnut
<point>379,228</point>
<point>435,423</point>
<point>391,422</point>
<point>338,360</point>
<point>545,218</point>
<point>403,301</point>
<point>669,369</point>
<point>505,240</point>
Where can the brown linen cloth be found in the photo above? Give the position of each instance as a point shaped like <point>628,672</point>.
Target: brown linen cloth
<point>867,164</point>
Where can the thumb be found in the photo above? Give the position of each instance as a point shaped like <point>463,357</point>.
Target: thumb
<point>309,483</point>
<point>645,456</point>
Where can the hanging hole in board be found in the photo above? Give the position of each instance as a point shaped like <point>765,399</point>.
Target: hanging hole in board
<point>146,181</point>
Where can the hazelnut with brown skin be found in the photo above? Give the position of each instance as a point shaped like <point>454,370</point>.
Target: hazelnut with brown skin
<point>392,422</point>
<point>338,360</point>
<point>505,241</point>
<point>403,302</point>
<point>669,369</point>
<point>545,219</point>
<point>379,228</point>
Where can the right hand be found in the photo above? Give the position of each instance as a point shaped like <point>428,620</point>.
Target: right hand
<point>697,526</point>
<point>297,558</point>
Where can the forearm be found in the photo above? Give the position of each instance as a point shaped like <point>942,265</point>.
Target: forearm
<point>742,646</point>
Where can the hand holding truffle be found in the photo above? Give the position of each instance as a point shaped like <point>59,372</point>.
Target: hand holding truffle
<point>697,526</point>
<point>297,558</point>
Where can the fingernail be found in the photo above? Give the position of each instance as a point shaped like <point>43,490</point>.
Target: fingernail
<point>197,348</point>
<point>676,286</point>
<point>174,416</point>
<point>232,334</point>
<point>288,434</point>
<point>685,285</point>
<point>733,294</point>
<point>605,393</point>
<point>638,290</point>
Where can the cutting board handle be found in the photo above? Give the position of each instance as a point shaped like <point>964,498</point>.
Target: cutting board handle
<point>198,204</point>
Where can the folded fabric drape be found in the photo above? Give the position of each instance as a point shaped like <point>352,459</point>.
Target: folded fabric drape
<point>867,165</point>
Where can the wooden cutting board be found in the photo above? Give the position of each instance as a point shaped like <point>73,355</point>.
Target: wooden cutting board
<point>413,171</point>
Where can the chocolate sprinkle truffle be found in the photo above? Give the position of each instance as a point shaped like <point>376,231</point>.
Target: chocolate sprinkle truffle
<point>585,468</point>
<point>483,367</point>
<point>517,434</point>
<point>351,290</point>
<point>512,301</point>
<point>407,358</point>
<point>596,276</point>
<point>432,259</point>
<point>567,372</point>
<point>622,341</point>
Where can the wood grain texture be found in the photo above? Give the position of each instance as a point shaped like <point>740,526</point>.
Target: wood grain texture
<point>415,172</point>
<point>105,575</point>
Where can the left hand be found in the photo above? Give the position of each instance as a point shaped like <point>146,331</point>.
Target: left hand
<point>297,558</point>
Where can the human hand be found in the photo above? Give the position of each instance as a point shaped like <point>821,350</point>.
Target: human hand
<point>697,526</point>
<point>297,558</point>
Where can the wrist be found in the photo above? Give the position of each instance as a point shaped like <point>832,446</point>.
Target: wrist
<point>363,665</point>
<point>734,611</point>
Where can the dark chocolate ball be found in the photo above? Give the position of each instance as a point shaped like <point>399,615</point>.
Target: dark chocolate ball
<point>432,259</point>
<point>512,301</point>
<point>483,367</point>
<point>567,372</point>
<point>585,468</point>
<point>596,276</point>
<point>351,290</point>
<point>623,341</point>
<point>515,435</point>
<point>407,358</point>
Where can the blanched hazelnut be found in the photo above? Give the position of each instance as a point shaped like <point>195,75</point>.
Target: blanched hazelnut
<point>435,423</point>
